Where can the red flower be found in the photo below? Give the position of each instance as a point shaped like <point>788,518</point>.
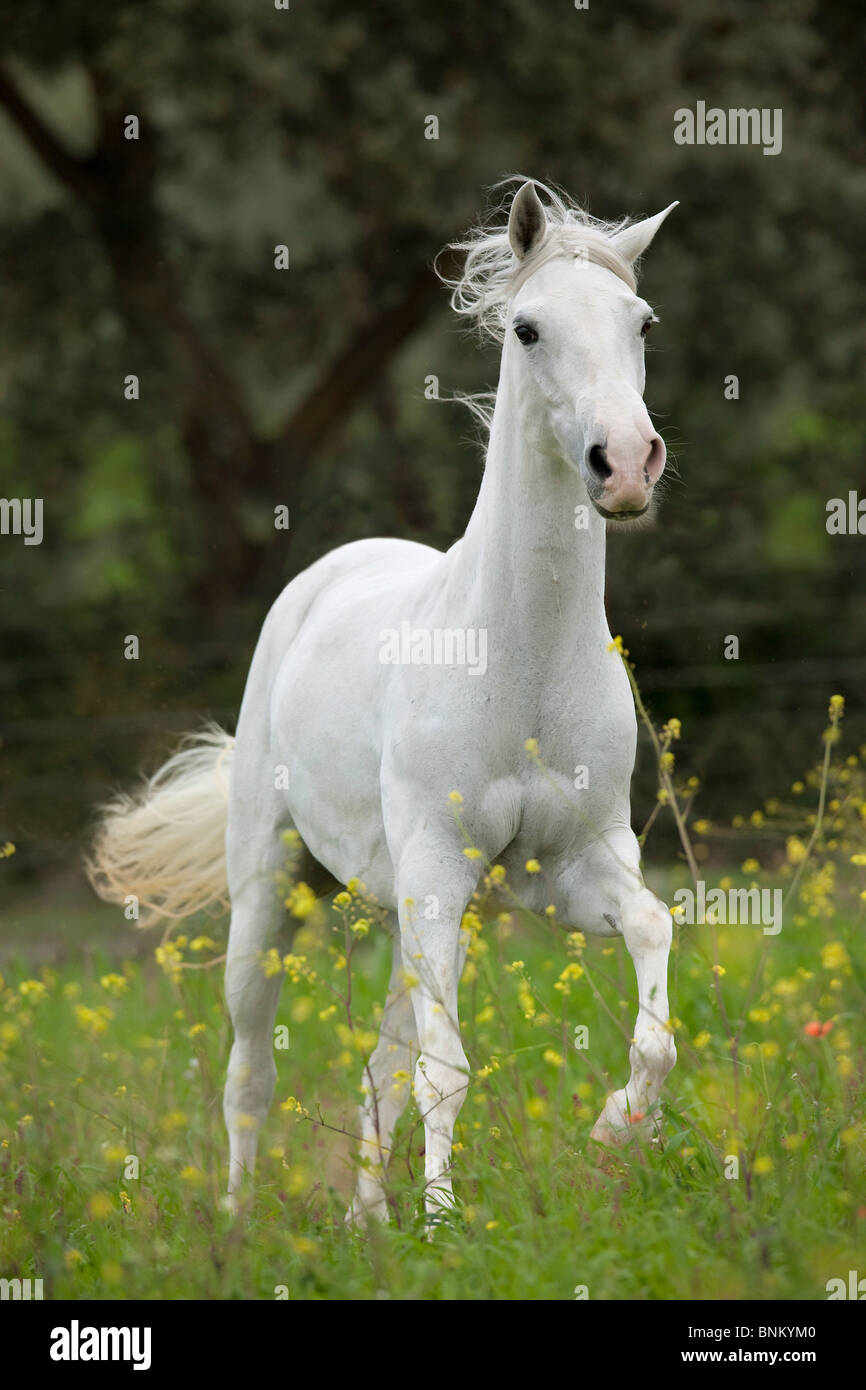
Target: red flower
<point>812,1030</point>
<point>636,1116</point>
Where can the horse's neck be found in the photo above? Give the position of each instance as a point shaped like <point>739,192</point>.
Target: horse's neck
<point>536,575</point>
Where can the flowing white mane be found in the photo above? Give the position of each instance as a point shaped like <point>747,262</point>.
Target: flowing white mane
<point>492,274</point>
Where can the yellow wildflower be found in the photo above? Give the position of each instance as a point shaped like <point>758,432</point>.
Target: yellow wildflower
<point>301,900</point>
<point>572,971</point>
<point>526,1001</point>
<point>792,1142</point>
<point>271,963</point>
<point>93,1021</point>
<point>114,984</point>
<point>33,990</point>
<point>834,956</point>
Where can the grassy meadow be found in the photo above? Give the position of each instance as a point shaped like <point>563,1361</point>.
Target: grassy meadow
<point>114,1043</point>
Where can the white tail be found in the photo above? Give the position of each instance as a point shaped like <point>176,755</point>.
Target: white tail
<point>166,842</point>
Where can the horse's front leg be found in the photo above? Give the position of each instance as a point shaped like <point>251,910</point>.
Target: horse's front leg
<point>611,892</point>
<point>434,887</point>
<point>646,927</point>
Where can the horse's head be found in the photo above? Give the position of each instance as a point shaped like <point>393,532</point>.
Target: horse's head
<point>575,330</point>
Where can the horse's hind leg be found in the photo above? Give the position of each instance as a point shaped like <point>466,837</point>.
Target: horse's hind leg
<point>386,1083</point>
<point>257,815</point>
<point>252,999</point>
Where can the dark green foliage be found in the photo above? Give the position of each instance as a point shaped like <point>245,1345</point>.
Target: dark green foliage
<point>305,387</point>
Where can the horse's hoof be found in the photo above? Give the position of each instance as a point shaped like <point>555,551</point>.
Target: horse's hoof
<point>603,1133</point>
<point>618,1129</point>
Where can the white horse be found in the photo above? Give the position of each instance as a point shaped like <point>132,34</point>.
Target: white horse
<point>362,688</point>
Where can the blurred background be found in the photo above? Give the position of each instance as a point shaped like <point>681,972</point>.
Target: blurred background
<point>305,387</point>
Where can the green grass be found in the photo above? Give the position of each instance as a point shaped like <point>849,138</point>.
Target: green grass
<point>541,1209</point>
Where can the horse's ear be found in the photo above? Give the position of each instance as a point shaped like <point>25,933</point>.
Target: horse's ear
<point>632,241</point>
<point>526,221</point>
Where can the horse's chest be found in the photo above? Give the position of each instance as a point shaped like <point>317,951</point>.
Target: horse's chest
<point>565,784</point>
<point>576,791</point>
<point>582,729</point>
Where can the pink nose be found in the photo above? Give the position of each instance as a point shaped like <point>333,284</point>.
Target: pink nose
<point>627,475</point>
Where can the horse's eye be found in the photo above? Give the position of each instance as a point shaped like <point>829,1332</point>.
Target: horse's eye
<point>647,326</point>
<point>526,335</point>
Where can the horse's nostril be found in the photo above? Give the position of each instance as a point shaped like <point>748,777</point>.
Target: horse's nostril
<point>597,460</point>
<point>655,462</point>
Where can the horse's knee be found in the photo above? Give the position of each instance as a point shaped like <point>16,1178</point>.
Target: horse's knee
<point>646,923</point>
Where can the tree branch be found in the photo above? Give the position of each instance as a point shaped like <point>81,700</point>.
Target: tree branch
<point>68,168</point>
<point>227,458</point>
<point>357,366</point>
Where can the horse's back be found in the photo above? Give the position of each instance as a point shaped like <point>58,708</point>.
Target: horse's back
<point>353,571</point>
